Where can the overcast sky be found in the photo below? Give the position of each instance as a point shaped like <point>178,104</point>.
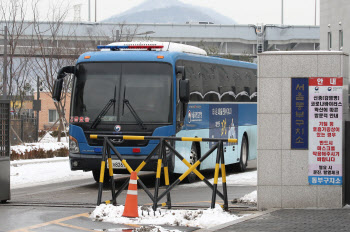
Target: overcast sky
<point>296,12</point>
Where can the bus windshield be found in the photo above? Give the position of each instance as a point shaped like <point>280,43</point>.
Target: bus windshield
<point>146,87</point>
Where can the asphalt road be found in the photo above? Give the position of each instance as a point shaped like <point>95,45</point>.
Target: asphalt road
<point>48,203</point>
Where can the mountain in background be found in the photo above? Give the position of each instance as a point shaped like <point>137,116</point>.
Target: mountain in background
<point>169,11</point>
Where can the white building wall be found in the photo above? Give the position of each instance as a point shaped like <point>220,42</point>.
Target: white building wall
<point>283,172</point>
<point>335,16</point>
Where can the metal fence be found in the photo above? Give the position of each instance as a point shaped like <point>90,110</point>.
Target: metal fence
<point>162,162</point>
<point>23,129</point>
<point>4,128</point>
<point>4,151</point>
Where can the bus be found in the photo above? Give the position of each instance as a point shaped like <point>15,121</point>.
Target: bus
<point>160,89</point>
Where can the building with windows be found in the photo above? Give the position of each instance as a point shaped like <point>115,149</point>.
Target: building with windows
<point>48,114</point>
<point>234,40</point>
<point>335,25</point>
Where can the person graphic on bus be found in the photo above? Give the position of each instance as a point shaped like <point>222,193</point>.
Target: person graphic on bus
<point>232,131</point>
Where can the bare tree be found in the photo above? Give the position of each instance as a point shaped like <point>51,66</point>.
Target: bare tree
<point>12,15</point>
<point>51,56</point>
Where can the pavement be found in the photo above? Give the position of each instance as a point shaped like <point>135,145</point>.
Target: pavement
<point>320,220</point>
<point>77,219</point>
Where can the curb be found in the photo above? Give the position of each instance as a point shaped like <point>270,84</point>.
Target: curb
<point>243,219</point>
<point>37,161</point>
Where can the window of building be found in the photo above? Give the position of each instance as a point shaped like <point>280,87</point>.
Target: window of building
<point>53,115</point>
<point>341,40</point>
<point>329,40</point>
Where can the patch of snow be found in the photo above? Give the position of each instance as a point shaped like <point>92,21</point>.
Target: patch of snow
<point>15,163</point>
<point>249,198</point>
<point>47,143</point>
<point>192,218</point>
<point>245,178</point>
<point>23,174</point>
<point>153,229</point>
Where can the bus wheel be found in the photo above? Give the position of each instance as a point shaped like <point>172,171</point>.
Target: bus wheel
<point>96,175</point>
<point>243,161</point>
<point>193,159</point>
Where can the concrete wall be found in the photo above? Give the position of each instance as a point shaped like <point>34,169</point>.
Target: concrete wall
<point>335,16</point>
<point>282,172</point>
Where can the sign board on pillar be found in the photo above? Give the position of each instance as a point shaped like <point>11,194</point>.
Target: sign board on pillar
<point>325,130</point>
<point>299,110</point>
<point>37,105</point>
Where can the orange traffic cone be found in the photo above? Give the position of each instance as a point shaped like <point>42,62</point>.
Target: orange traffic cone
<point>130,209</point>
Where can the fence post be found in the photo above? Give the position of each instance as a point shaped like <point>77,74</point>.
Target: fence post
<point>102,172</point>
<point>110,169</point>
<point>223,175</point>
<point>166,175</point>
<point>159,169</point>
<point>216,174</point>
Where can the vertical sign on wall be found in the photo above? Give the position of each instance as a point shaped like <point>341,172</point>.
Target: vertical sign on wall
<point>299,132</point>
<point>325,130</point>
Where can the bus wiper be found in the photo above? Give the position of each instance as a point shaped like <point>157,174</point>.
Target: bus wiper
<point>102,113</point>
<point>133,112</point>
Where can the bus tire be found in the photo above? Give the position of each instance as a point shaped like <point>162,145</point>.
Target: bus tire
<point>194,157</point>
<point>96,175</point>
<point>243,161</point>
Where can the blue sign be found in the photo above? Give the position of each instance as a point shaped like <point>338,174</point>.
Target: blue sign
<point>325,180</point>
<point>299,111</point>
<point>223,122</point>
<point>197,117</point>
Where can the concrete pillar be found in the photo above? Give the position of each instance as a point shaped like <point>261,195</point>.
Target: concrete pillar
<point>282,171</point>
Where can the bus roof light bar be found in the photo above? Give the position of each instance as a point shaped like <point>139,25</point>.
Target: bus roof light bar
<point>131,47</point>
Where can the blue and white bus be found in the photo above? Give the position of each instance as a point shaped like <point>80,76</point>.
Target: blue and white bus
<point>134,89</point>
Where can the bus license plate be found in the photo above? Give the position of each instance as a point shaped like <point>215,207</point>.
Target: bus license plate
<point>117,164</point>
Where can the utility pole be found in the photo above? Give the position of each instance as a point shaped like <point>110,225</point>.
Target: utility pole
<point>315,11</point>
<point>37,106</point>
<point>89,9</point>
<point>4,81</point>
<point>95,11</point>
<point>282,13</point>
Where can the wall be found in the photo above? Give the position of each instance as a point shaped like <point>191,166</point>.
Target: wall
<point>333,12</point>
<point>282,172</point>
<point>48,104</point>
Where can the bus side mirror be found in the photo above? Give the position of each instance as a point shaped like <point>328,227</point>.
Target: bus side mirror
<point>57,88</point>
<point>181,70</point>
<point>184,91</point>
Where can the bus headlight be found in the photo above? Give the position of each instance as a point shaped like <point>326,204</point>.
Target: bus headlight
<point>73,145</point>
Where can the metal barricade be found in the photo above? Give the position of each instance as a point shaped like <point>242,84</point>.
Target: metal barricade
<point>4,150</point>
<point>163,144</point>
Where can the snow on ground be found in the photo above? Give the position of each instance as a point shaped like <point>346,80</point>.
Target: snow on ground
<point>250,197</point>
<point>45,171</point>
<point>47,143</point>
<point>244,178</point>
<point>32,172</point>
<point>192,218</point>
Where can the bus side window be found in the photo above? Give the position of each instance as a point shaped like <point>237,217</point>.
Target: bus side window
<point>254,96</point>
<point>225,84</point>
<point>194,76</point>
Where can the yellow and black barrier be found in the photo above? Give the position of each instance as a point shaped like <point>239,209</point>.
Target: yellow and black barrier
<point>108,146</point>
